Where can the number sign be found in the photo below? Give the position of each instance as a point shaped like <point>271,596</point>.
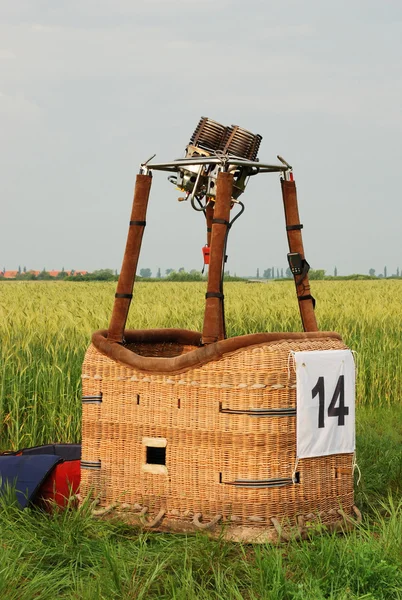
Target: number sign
<point>325,402</point>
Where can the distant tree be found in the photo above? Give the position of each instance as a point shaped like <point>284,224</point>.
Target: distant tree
<point>159,275</point>
<point>116,273</point>
<point>168,271</point>
<point>277,273</point>
<point>24,269</point>
<point>267,274</point>
<point>62,274</point>
<point>335,272</point>
<point>87,277</point>
<point>380,276</point>
<point>145,273</point>
<point>372,272</point>
<point>397,271</point>
<point>27,276</point>
<point>281,273</point>
<point>99,275</point>
<point>44,275</point>
<point>258,273</point>
<point>316,273</point>
<point>288,272</point>
<point>19,270</point>
<point>194,275</point>
<point>273,272</point>
<point>385,271</point>
<point>184,276</point>
<point>181,270</point>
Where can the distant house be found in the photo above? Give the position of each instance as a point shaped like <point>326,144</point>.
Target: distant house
<point>57,273</point>
<point>53,273</point>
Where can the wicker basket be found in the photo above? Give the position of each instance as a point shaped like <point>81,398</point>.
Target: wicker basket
<point>185,431</point>
<point>194,449</point>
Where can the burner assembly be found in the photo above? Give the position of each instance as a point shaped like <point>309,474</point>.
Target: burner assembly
<point>213,140</point>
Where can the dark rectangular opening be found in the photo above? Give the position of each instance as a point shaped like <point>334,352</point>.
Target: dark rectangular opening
<point>156,456</point>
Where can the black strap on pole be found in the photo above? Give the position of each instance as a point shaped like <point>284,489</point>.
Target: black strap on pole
<point>308,297</point>
<point>221,222</point>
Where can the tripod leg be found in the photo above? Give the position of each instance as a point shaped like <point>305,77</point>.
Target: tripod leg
<point>214,328</point>
<point>293,229</point>
<point>125,284</point>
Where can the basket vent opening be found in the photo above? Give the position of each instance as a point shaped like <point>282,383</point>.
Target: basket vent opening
<point>156,456</point>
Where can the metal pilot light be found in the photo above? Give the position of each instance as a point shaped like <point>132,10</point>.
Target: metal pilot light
<point>186,430</point>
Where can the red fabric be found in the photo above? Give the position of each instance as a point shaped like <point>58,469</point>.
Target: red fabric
<point>63,482</point>
<point>205,251</point>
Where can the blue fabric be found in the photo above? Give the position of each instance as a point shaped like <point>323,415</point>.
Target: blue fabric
<point>65,451</point>
<point>25,474</point>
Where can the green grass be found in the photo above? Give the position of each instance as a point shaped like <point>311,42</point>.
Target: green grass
<point>70,555</point>
<point>44,331</point>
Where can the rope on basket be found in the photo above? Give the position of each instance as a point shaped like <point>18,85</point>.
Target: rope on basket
<point>283,535</point>
<point>350,519</point>
<point>302,528</point>
<point>100,512</point>
<point>197,522</point>
<point>154,522</point>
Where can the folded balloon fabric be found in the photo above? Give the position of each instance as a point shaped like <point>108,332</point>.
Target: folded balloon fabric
<point>50,472</point>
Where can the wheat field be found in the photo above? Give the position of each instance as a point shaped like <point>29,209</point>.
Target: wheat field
<point>45,328</point>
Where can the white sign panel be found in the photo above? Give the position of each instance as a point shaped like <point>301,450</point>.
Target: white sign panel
<point>325,402</point>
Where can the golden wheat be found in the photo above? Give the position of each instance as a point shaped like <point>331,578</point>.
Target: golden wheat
<point>45,328</point>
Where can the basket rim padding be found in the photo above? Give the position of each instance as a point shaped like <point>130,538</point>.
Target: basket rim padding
<point>194,358</point>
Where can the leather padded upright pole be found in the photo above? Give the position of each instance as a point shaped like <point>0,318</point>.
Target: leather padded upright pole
<point>293,228</point>
<point>125,285</point>
<point>214,329</point>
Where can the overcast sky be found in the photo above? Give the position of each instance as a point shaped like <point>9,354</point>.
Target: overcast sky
<point>91,88</point>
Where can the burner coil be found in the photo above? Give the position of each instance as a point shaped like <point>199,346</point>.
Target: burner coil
<point>240,142</point>
<point>208,135</point>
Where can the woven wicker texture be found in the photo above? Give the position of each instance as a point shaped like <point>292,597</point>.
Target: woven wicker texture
<point>207,450</point>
